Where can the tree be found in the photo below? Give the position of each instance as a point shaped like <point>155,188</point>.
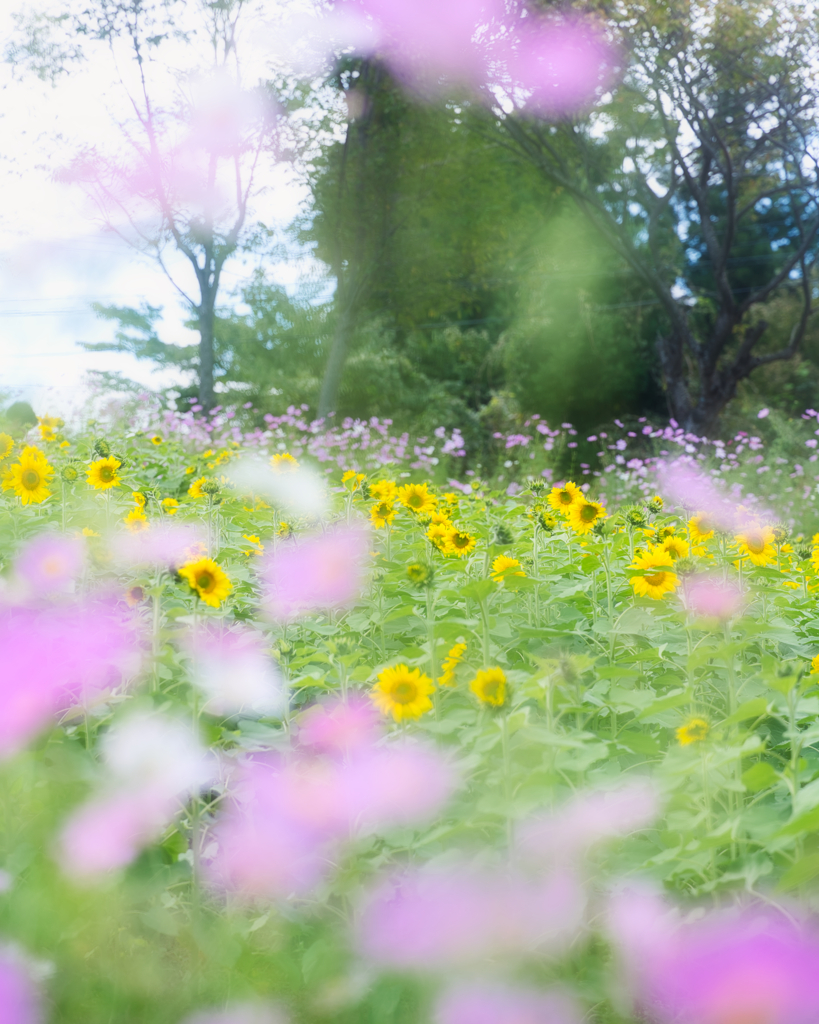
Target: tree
<point>700,171</point>
<point>191,142</point>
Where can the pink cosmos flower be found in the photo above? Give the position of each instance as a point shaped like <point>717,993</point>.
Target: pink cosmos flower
<point>435,921</point>
<point>53,658</point>
<point>152,764</point>
<point>235,672</point>
<point>747,966</point>
<point>713,598</point>
<point>49,563</point>
<point>482,1003</point>
<point>339,727</point>
<point>19,999</point>
<point>324,571</point>
<point>588,819</point>
<point>695,492</point>
<point>165,545</point>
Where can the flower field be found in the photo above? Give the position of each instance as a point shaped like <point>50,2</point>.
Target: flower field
<point>296,728</point>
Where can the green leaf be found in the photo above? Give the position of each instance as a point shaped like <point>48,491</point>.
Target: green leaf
<point>797,874</point>
<point>639,742</point>
<point>755,708</point>
<point>479,590</point>
<point>760,776</point>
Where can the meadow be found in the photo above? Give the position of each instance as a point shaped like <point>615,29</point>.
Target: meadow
<point>307,725</point>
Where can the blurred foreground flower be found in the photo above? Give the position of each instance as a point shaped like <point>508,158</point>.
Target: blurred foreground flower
<point>710,597</point>
<point>753,965</point>
<point>165,546</point>
<point>240,1013</point>
<point>296,489</point>
<point>19,999</point>
<point>235,672</point>
<point>481,1003</point>
<point>152,763</point>
<point>55,658</point>
<point>319,572</point>
<point>49,563</point>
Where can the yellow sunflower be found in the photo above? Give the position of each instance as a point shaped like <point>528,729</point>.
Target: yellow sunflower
<point>417,498</point>
<point>383,490</point>
<point>102,474</point>
<point>584,514</point>
<point>402,692</point>
<point>562,498</point>
<point>504,566</point>
<point>47,425</point>
<point>136,520</point>
<point>134,596</point>
<point>814,665</point>
<point>701,527</point>
<point>352,480</point>
<point>29,478</point>
<point>156,439</point>
<point>757,543</point>
<point>208,580</point>
<point>6,444</point>
<point>382,514</point>
<point>458,542</point>
<point>676,547</point>
<point>695,730</point>
<point>139,498</point>
<point>657,580</point>
<point>437,518</point>
<point>489,686</point>
<point>195,489</point>
<point>170,505</point>
<point>451,662</point>
<point>437,534</point>
<point>284,463</point>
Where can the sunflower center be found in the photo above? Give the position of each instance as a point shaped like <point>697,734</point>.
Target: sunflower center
<point>756,545</point>
<point>655,579</point>
<point>30,479</point>
<point>565,498</point>
<point>588,513</point>
<point>106,474</point>
<point>204,581</point>
<point>461,540</point>
<point>405,693</point>
<point>491,690</point>
<point>416,501</point>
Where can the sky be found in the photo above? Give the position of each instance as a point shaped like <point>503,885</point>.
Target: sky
<point>55,259</point>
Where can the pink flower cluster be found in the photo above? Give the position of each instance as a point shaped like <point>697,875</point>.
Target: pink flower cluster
<point>287,814</point>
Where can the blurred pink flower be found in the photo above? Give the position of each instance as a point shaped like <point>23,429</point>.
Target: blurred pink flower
<point>152,763</point>
<point>233,668</point>
<point>753,965</point>
<point>240,1013</point>
<point>560,65</point>
<point>589,818</point>
<point>324,571</point>
<point>19,999</point>
<point>696,493</point>
<point>712,598</point>
<point>438,920</point>
<point>49,563</point>
<point>339,727</point>
<point>482,1003</point>
<point>165,545</point>
<point>53,658</point>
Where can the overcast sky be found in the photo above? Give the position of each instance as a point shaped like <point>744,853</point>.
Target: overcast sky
<point>55,260</point>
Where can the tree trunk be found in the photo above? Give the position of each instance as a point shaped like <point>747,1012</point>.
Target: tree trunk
<point>206,320</point>
<point>334,370</point>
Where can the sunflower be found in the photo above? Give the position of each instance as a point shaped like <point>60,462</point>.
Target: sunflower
<point>47,425</point>
<point>451,662</point>
<point>170,505</point>
<point>383,490</point>
<point>701,526</point>
<point>352,480</point>
<point>659,582</point>
<point>562,498</point>
<point>757,543</point>
<point>814,665</point>
<point>438,518</point>
<point>195,489</point>
<point>102,474</point>
<point>489,686</point>
<point>382,514</point>
<point>584,514</point>
<point>6,444</point>
<point>437,534</point>
<point>136,520</point>
<point>258,547</point>
<point>694,731</point>
<point>284,463</point>
<point>156,439</point>
<point>29,477</point>
<point>676,547</point>
<point>457,542</point>
<point>208,580</point>
<point>503,566</point>
<point>139,498</point>
<point>417,498</point>
<point>134,596</point>
<point>402,692</point>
